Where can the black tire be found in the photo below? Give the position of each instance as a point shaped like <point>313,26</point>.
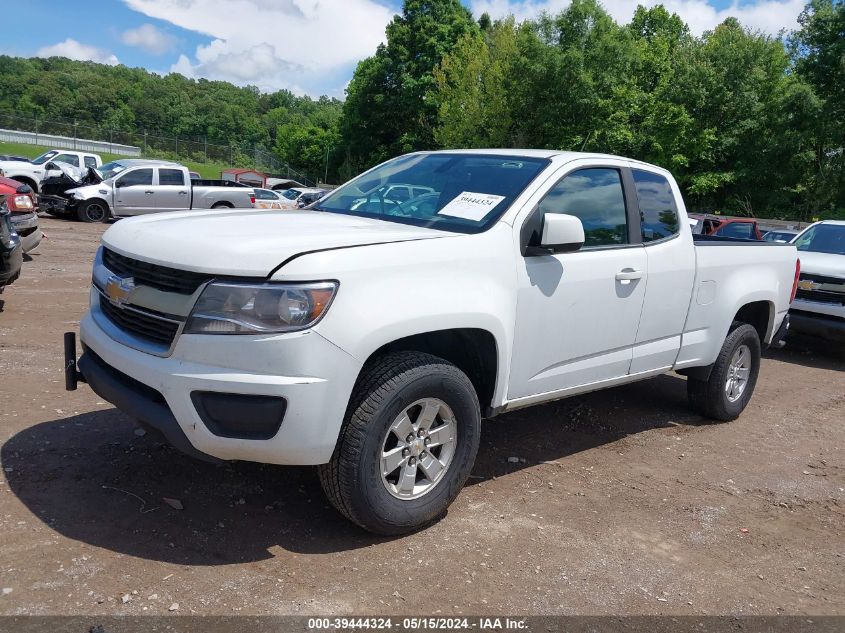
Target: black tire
<point>353,481</point>
<point>96,211</point>
<point>222,205</point>
<point>709,397</point>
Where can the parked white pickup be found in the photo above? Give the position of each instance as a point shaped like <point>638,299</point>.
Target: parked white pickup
<point>34,171</point>
<point>372,342</point>
<point>138,186</point>
<point>819,307</point>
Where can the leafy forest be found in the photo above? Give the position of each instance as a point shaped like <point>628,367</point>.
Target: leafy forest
<point>749,123</point>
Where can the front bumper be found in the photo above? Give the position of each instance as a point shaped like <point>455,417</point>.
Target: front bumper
<point>314,377</point>
<point>823,326</point>
<point>26,225</point>
<point>10,265</point>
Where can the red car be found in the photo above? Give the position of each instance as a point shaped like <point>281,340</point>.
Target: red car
<point>21,202</point>
<point>717,226</point>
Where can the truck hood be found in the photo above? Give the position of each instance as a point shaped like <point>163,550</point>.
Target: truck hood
<point>248,243</point>
<point>826,264</point>
<point>19,165</point>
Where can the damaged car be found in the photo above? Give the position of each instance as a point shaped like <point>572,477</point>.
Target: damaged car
<point>22,205</point>
<point>11,252</point>
<point>55,197</point>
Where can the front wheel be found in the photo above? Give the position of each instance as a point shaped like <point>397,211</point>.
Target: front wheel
<point>407,445</point>
<point>93,211</point>
<point>726,393</point>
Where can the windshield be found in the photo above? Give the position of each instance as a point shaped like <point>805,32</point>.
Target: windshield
<point>110,170</point>
<point>822,238</point>
<point>290,194</point>
<point>464,193</point>
<point>44,157</point>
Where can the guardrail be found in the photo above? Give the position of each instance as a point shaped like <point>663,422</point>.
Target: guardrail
<point>67,142</point>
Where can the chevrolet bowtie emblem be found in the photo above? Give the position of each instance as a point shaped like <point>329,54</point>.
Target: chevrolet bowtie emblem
<point>119,289</point>
<point>806,284</point>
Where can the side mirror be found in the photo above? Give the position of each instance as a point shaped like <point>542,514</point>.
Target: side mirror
<point>562,233</point>
<point>118,184</point>
<point>50,166</point>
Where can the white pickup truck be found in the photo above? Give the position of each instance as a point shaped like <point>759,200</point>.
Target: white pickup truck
<point>135,186</point>
<point>819,306</point>
<point>33,172</point>
<point>372,343</point>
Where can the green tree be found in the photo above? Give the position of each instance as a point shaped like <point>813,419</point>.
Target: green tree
<point>391,105</point>
<point>474,83</point>
<point>818,48</point>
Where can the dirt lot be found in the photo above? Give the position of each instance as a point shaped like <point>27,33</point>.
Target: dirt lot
<point>622,502</point>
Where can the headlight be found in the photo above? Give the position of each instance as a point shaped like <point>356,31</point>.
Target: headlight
<point>22,202</point>
<point>232,308</point>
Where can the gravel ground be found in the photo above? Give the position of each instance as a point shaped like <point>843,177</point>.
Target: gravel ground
<point>622,502</point>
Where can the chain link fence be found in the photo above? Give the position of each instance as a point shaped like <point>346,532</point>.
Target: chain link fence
<point>153,145</point>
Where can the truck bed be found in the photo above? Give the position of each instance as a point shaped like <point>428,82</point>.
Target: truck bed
<point>722,266</point>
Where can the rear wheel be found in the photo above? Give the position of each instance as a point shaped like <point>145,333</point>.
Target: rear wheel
<point>726,393</point>
<point>222,205</point>
<point>407,445</point>
<point>93,211</point>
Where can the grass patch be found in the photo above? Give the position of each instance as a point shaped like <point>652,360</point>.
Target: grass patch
<point>205,170</point>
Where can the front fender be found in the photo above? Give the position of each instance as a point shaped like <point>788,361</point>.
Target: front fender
<point>90,192</point>
<point>392,291</point>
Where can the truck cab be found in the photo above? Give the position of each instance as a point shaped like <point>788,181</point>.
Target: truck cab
<point>33,172</point>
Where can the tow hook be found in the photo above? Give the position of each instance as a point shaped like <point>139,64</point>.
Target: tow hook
<point>72,374</point>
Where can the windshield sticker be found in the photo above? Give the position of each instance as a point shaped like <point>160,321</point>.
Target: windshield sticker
<point>469,205</point>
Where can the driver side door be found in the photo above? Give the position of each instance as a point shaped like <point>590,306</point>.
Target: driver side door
<point>578,312</point>
<point>134,193</point>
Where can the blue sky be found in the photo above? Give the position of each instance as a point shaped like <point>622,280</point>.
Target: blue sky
<point>308,46</point>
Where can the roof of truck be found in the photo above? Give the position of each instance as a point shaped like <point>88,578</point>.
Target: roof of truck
<point>134,162</point>
<point>540,153</point>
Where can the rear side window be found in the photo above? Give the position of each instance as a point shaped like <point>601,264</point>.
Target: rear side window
<point>744,230</point>
<point>90,162</point>
<point>171,177</point>
<point>658,211</point>
<point>595,196</point>
<point>67,158</point>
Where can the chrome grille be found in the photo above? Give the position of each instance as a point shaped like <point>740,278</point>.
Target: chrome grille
<point>828,289</point>
<point>148,325</point>
<point>159,277</point>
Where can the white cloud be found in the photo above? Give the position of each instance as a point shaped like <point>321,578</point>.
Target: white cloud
<point>769,16</point>
<point>273,43</point>
<point>72,49</point>
<point>149,38</point>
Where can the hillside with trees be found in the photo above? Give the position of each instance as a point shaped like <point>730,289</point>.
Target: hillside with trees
<point>750,123</point>
<point>298,129</point>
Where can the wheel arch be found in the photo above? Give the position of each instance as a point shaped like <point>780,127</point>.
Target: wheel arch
<point>30,182</point>
<point>474,351</point>
<point>760,315</point>
<point>88,201</point>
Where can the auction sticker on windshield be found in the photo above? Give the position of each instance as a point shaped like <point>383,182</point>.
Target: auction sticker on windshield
<point>471,206</point>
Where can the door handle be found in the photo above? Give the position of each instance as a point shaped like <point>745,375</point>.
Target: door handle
<point>183,193</point>
<point>149,193</point>
<point>627,275</point>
